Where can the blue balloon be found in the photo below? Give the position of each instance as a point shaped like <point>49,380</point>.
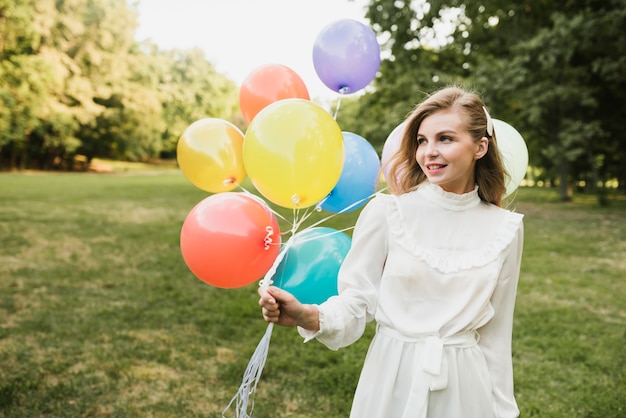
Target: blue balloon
<point>309,268</point>
<point>359,176</point>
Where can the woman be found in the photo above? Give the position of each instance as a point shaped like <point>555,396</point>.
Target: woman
<point>436,265</point>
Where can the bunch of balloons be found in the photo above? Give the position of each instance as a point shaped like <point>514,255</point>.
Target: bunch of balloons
<point>296,156</point>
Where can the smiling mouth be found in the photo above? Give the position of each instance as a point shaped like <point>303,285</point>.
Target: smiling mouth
<point>435,166</point>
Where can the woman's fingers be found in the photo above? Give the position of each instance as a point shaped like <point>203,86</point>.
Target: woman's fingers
<point>270,308</point>
<point>280,295</point>
<point>271,316</point>
<point>279,306</point>
<point>265,298</point>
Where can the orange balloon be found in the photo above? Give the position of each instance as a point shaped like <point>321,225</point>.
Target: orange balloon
<point>268,84</point>
<point>230,240</point>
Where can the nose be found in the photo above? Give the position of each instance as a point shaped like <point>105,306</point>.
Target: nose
<point>430,149</point>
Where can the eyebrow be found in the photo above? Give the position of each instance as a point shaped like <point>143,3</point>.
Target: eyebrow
<point>445,131</point>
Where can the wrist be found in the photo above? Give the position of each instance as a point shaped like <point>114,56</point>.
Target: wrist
<point>310,318</point>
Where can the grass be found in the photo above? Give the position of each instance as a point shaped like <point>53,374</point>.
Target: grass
<point>99,315</point>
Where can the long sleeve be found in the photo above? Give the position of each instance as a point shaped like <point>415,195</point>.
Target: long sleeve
<point>343,317</point>
<point>496,335</point>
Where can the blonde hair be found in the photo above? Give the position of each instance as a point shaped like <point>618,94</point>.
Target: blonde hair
<point>405,173</point>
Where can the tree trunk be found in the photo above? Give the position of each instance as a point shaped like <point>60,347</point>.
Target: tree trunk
<point>13,157</point>
<point>596,188</point>
<point>622,178</point>
<point>565,189</point>
<point>24,154</point>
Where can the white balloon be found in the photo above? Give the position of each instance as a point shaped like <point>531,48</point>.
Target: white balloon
<point>392,144</point>
<point>514,154</point>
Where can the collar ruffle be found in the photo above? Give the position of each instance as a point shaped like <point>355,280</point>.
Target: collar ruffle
<point>448,200</point>
<point>447,263</point>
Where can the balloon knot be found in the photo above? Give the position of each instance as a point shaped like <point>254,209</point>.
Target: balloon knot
<point>228,181</point>
<point>266,282</point>
<point>268,238</point>
<point>295,199</point>
<point>344,90</point>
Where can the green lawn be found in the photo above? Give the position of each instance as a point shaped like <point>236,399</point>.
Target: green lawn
<point>100,316</point>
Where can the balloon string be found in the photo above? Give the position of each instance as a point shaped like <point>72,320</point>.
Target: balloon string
<point>347,208</point>
<point>337,108</point>
<point>244,398</point>
<point>344,90</point>
<point>267,280</point>
<point>337,231</point>
<point>252,195</point>
<point>299,220</point>
<point>267,241</point>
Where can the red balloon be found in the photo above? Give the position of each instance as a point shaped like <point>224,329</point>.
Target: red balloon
<point>230,240</point>
<point>268,84</point>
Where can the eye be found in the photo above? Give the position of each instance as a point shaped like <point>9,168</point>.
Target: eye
<point>445,138</point>
<point>421,141</point>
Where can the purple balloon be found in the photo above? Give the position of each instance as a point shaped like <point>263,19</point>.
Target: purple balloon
<point>346,56</point>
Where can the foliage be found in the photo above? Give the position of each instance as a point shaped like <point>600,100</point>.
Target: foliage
<point>75,81</point>
<point>553,69</point>
<point>99,316</point>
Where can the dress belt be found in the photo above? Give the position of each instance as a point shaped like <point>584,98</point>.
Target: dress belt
<point>434,364</point>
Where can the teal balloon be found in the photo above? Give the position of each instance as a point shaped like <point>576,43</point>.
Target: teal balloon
<point>311,264</point>
<point>359,176</point>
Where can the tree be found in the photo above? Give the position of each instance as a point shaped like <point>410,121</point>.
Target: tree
<point>557,88</point>
<point>191,89</point>
<point>74,81</point>
<point>23,79</point>
<point>552,68</point>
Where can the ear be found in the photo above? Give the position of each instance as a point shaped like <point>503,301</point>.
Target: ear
<point>482,147</point>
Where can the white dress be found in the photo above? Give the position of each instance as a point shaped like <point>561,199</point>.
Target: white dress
<point>438,273</point>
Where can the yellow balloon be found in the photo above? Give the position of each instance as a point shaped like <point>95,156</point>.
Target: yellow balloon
<point>210,155</point>
<point>293,152</point>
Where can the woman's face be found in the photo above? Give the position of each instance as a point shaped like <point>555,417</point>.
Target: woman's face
<point>446,152</point>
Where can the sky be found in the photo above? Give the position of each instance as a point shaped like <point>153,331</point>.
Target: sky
<point>238,36</point>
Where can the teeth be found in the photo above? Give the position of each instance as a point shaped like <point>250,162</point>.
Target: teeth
<point>434,167</point>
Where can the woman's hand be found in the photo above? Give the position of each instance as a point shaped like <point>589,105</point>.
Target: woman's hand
<point>282,308</point>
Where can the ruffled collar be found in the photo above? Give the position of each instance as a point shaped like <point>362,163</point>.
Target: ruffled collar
<point>442,261</point>
<point>448,200</point>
